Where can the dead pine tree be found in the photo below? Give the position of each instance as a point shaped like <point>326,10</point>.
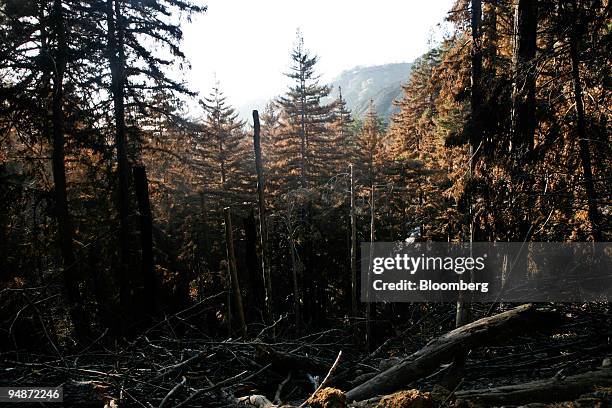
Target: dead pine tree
<point>233,274</point>
<point>265,267</point>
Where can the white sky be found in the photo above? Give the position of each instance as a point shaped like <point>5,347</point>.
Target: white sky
<point>246,44</point>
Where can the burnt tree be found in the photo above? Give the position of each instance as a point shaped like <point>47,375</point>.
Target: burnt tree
<point>141,187</point>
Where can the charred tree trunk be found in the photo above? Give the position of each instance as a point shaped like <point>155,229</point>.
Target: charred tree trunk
<point>490,43</point>
<point>141,187</point>
<point>254,290</point>
<point>297,299</point>
<point>523,114</point>
<point>116,55</point>
<point>354,303</point>
<point>543,391</point>
<point>263,231</point>
<point>368,314</point>
<point>583,141</point>
<point>463,309</point>
<point>523,91</point>
<point>489,330</point>
<point>311,270</point>
<point>205,236</point>
<point>296,270</point>
<point>233,273</point>
<point>65,231</point>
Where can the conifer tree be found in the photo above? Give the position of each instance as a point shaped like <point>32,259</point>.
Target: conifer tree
<point>36,55</point>
<point>370,145</point>
<point>270,128</point>
<point>342,132</point>
<point>134,70</point>
<point>225,148</point>
<point>420,161</point>
<point>270,123</point>
<point>304,139</point>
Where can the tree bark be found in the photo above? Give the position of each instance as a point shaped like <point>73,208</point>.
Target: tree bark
<point>583,142</point>
<point>263,231</point>
<point>141,188</point>
<point>489,330</point>
<point>233,273</point>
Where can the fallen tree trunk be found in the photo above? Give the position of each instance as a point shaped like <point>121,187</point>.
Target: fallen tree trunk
<point>550,390</point>
<point>481,332</point>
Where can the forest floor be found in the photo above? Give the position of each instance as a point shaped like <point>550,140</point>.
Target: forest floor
<point>173,364</point>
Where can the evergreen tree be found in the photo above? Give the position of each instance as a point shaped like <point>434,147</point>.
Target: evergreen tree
<point>341,129</point>
<point>40,48</point>
<point>226,148</point>
<point>303,140</point>
<point>134,70</point>
<point>371,145</point>
<point>270,127</point>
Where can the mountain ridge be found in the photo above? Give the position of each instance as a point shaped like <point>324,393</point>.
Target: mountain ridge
<point>380,83</point>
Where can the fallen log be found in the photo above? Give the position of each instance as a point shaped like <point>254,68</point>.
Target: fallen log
<point>556,389</point>
<point>485,331</point>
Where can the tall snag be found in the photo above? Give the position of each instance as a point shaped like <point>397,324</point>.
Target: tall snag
<point>141,187</point>
<point>463,311</point>
<point>265,267</point>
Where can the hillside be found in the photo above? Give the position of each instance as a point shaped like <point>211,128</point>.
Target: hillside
<point>382,83</point>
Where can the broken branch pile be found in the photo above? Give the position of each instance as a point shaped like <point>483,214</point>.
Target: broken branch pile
<point>163,369</point>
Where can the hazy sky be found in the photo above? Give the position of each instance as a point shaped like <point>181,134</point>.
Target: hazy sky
<point>246,44</point>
